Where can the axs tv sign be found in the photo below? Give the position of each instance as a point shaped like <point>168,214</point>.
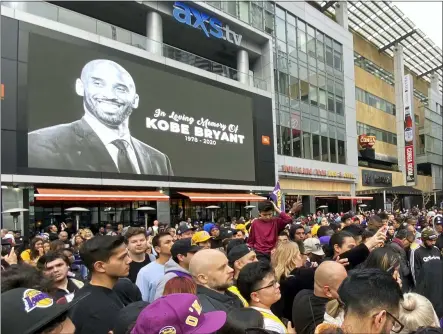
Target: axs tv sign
<point>210,26</point>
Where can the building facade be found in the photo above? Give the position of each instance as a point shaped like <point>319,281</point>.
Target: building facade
<point>215,102</point>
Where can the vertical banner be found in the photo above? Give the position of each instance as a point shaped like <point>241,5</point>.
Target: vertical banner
<point>409,130</point>
<point>277,197</point>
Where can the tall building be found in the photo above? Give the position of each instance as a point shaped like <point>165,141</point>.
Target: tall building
<point>138,110</point>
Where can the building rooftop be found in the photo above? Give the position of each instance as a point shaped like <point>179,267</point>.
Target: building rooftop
<point>383,24</point>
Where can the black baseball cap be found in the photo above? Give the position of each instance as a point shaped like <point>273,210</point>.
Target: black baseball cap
<point>438,220</point>
<point>183,247</point>
<point>127,316</point>
<point>183,229</point>
<point>26,311</point>
<point>237,253</point>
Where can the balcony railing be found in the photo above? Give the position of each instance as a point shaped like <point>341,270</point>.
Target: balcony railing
<point>80,21</point>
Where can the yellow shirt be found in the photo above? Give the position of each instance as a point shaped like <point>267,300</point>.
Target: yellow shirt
<point>235,291</point>
<point>26,257</point>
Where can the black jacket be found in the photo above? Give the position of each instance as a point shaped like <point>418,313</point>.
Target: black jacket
<point>308,311</point>
<point>405,271</point>
<point>427,271</point>
<point>439,243</point>
<point>299,279</point>
<point>214,301</point>
<point>76,146</point>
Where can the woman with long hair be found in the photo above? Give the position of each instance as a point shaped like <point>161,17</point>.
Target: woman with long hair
<point>292,275</point>
<point>78,241</point>
<point>31,255</point>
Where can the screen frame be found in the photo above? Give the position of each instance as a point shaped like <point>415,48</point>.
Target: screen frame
<point>264,160</point>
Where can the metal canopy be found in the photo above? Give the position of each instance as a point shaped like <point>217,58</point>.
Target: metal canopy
<point>327,5</point>
<point>383,24</point>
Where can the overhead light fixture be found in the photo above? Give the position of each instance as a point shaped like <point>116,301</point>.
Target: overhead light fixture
<point>4,187</point>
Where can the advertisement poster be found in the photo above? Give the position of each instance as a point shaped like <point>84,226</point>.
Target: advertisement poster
<point>409,130</point>
<point>89,110</point>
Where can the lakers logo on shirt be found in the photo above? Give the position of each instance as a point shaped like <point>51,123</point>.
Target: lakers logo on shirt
<point>36,299</point>
<point>168,330</point>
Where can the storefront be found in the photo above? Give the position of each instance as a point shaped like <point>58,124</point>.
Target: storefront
<point>319,187</point>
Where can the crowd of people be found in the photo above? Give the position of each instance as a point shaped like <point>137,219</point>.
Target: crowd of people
<point>281,272</point>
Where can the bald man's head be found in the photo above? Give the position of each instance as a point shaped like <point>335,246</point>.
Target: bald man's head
<point>328,277</point>
<point>209,268</point>
<point>108,92</point>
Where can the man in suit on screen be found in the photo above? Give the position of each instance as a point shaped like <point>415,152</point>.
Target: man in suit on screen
<point>100,141</point>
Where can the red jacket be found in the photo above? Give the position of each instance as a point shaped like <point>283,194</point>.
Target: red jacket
<point>264,233</point>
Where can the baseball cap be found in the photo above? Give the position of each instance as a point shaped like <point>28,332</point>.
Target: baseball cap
<point>127,316</point>
<point>178,313</point>
<point>29,310</point>
<point>241,227</point>
<point>438,220</point>
<point>183,229</point>
<point>428,234</point>
<point>237,253</point>
<point>200,236</point>
<point>312,245</point>
<point>183,247</point>
<point>325,240</point>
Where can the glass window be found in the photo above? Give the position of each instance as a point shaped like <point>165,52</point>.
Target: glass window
<point>303,71</point>
<point>282,63</point>
<point>322,98</point>
<point>304,91</point>
<point>339,105</point>
<point>307,152</point>
<point>280,29</point>
<point>329,57</point>
<point>292,32</point>
<point>324,148</point>
<point>320,52</point>
<point>341,151</point>
<point>321,81</point>
<point>313,95</point>
<point>290,19</point>
<point>243,9</point>
<point>269,6</point>
<point>279,143</point>
<point>339,88</point>
<point>333,150</point>
<point>311,46</point>
<point>257,16</point>
<point>280,12</point>
<point>301,40</point>
<point>283,83</point>
<point>294,88</point>
<point>337,61</point>
<point>292,51</point>
<point>337,47</point>
<point>269,21</point>
<point>231,7</point>
<point>328,41</point>
<point>316,147</point>
<point>286,141</point>
<point>311,30</point>
<point>281,46</point>
<point>331,104</point>
<point>293,68</point>
<point>301,25</point>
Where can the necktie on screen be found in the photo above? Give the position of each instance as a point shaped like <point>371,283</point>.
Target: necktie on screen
<point>123,163</point>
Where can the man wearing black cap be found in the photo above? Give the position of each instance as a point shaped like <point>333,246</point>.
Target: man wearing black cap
<point>184,231</point>
<point>427,271</point>
<point>29,311</point>
<point>238,257</point>
<point>182,252</point>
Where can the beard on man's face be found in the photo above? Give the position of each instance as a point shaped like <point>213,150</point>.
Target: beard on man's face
<point>111,117</point>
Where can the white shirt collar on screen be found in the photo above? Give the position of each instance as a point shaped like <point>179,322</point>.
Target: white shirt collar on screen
<point>107,136</point>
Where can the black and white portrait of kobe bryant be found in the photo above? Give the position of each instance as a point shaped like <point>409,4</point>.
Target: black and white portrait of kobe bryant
<point>101,140</point>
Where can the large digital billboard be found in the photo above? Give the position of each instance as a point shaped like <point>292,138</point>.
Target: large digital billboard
<point>95,111</point>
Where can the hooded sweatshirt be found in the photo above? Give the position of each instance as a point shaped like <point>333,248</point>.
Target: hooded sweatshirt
<point>172,269</point>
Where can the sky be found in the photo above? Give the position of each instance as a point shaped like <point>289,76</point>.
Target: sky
<point>426,15</point>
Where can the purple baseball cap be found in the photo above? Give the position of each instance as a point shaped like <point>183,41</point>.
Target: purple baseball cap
<point>179,313</point>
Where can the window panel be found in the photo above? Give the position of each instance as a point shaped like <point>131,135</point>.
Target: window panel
<point>269,21</point>
<point>341,151</point>
<point>337,61</point>
<point>313,95</point>
<point>280,12</point>
<point>257,17</point>
<point>307,149</point>
<point>311,46</point>
<point>320,52</point>
<point>304,91</point>
<point>243,8</point>
<point>316,147</point>
<point>333,150</point>
<point>283,83</point>
<point>301,40</point>
<point>286,141</point>
<point>331,103</point>
<point>279,142</point>
<point>324,148</point>
<point>294,88</point>
<point>280,29</point>
<point>329,57</point>
<point>339,106</point>
<point>293,69</point>
<point>322,98</point>
<point>292,33</point>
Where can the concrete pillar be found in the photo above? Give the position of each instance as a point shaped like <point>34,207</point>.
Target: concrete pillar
<point>341,14</point>
<point>312,207</point>
<point>154,33</point>
<point>164,210</point>
<point>243,67</point>
<point>399,72</point>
